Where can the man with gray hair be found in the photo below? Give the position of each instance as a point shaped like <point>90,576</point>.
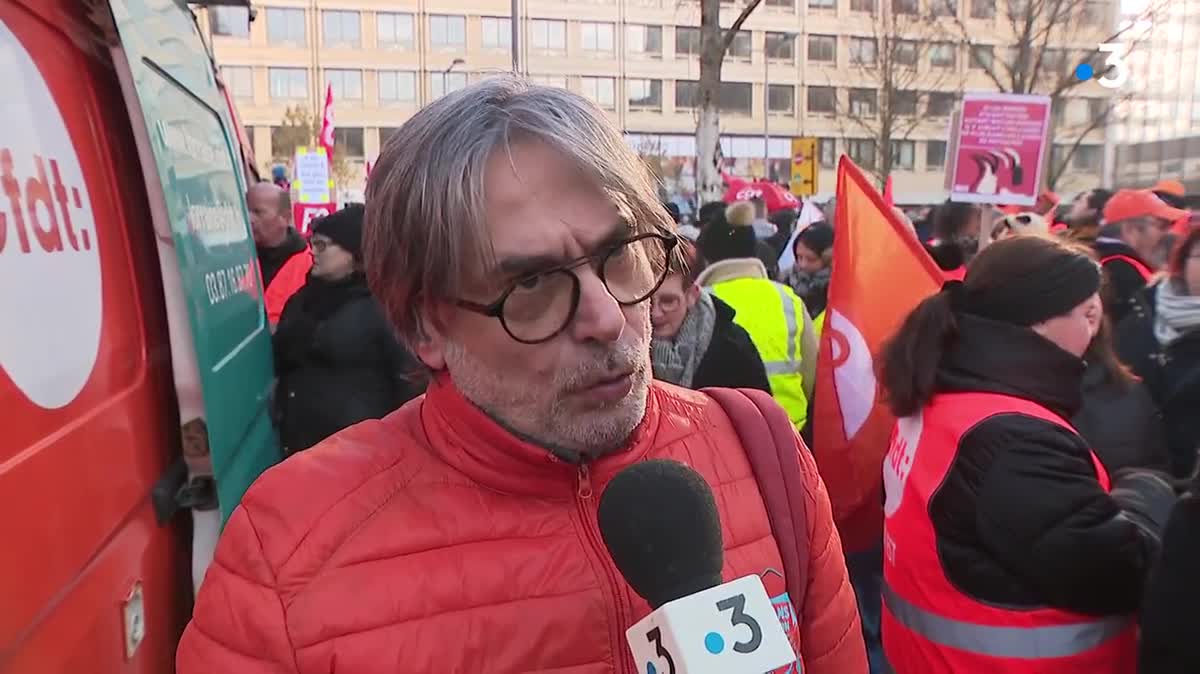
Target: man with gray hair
<point>514,240</point>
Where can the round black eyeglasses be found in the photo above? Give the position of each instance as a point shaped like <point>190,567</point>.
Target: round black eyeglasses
<point>538,307</point>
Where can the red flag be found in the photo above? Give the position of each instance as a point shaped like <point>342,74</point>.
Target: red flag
<point>888,198</point>
<point>326,140</point>
<point>880,273</point>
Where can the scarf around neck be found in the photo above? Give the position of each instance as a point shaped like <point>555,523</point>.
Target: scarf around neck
<point>812,287</point>
<point>1176,313</point>
<point>675,360</point>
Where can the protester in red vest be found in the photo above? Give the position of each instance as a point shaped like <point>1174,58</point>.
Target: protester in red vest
<point>1135,222</point>
<point>282,253</point>
<point>1008,547</point>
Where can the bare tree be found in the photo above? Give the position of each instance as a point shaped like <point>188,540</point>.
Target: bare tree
<point>893,61</point>
<point>1039,58</point>
<point>714,43</point>
<point>299,128</point>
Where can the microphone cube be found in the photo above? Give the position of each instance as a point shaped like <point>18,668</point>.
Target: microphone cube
<point>732,628</point>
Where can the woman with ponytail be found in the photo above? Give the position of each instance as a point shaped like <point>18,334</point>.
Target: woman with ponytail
<point>1008,546</point>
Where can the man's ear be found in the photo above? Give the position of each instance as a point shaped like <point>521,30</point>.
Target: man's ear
<point>430,343</point>
<point>693,294</point>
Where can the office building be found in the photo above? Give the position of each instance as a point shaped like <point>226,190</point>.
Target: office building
<point>638,59</point>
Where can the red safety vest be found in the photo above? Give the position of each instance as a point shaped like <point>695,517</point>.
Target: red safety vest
<point>929,626</point>
<point>290,278</point>
<point>1146,272</point>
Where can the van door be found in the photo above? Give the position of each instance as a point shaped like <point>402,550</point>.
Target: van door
<point>197,168</point>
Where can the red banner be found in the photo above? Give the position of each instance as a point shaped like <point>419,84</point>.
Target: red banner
<point>326,139</point>
<point>880,273</point>
<point>304,214</point>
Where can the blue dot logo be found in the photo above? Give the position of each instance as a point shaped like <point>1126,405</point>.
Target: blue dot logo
<point>1084,71</point>
<point>715,643</point>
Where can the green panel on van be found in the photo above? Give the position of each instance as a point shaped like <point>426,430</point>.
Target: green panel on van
<point>198,165</point>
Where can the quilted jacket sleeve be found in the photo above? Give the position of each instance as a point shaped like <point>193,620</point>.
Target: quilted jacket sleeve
<point>831,634</point>
<point>238,622</point>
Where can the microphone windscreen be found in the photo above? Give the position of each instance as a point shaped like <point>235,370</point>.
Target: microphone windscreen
<point>659,521</point>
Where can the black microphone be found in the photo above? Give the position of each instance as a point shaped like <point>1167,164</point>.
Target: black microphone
<point>659,521</point>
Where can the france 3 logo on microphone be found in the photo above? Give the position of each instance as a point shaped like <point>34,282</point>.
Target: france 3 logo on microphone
<point>732,628</point>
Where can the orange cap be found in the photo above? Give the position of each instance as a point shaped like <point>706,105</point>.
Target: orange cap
<point>1173,187</point>
<point>1127,204</point>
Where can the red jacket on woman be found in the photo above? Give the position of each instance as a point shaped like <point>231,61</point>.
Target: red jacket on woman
<point>435,541</point>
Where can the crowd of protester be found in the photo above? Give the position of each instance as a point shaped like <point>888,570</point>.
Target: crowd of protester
<point>1056,377</point>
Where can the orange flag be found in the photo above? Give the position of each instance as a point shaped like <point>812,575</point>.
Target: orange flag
<point>880,273</point>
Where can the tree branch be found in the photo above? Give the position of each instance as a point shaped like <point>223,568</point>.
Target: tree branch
<point>737,23</point>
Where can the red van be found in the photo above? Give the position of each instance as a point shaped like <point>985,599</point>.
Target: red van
<point>132,331</point>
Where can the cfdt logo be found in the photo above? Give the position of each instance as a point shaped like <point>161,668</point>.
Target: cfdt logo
<point>1116,70</point>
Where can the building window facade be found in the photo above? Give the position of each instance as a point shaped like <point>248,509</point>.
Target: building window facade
<point>285,26</point>
<point>230,21</point>
<point>781,99</point>
<point>397,86</point>
<point>547,35</point>
<point>239,80</point>
<point>645,41</point>
<point>822,100</point>
<point>447,31</point>
<point>288,84</point>
<point>644,94</point>
<point>341,28</point>
<point>822,48</point>
<point>346,84</point>
<point>441,84</point>
<point>598,38</point>
<point>395,30</point>
<point>497,32</point>
<point>602,90</point>
<point>935,154</point>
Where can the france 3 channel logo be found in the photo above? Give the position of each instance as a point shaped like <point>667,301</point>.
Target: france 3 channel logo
<point>1115,70</point>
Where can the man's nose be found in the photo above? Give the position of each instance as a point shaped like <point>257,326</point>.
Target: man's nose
<point>599,316</point>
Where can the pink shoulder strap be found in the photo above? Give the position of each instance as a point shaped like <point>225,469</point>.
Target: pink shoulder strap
<point>770,441</point>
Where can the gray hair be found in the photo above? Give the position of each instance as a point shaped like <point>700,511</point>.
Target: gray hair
<point>425,223</point>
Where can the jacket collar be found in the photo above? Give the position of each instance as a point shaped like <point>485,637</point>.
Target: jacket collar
<point>995,357</point>
<point>734,268</point>
<point>465,437</point>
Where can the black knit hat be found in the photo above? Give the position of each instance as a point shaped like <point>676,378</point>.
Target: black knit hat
<point>344,228</point>
<point>730,234</point>
<point>817,237</point>
<point>1031,291</point>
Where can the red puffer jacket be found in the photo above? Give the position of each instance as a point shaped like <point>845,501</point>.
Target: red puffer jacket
<point>435,541</point>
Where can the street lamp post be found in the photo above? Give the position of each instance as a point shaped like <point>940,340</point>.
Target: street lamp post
<point>516,36</point>
<point>767,101</point>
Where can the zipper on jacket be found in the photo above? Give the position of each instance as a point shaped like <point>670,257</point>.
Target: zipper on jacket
<point>584,494</point>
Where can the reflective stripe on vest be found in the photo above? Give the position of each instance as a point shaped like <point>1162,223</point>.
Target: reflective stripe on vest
<point>792,364</point>
<point>1029,643</point>
<point>1142,269</point>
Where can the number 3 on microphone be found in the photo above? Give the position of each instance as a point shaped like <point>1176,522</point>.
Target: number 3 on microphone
<point>654,636</point>
<point>739,618</point>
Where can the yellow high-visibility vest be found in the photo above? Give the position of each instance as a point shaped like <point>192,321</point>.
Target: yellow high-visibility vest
<point>774,316</point>
<point>819,322</point>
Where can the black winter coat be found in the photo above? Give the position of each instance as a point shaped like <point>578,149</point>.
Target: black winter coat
<point>1021,519</point>
<point>1170,639</point>
<point>1123,283</point>
<point>1121,422</point>
<point>338,362</point>
<point>1171,375</point>
<point>732,360</point>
